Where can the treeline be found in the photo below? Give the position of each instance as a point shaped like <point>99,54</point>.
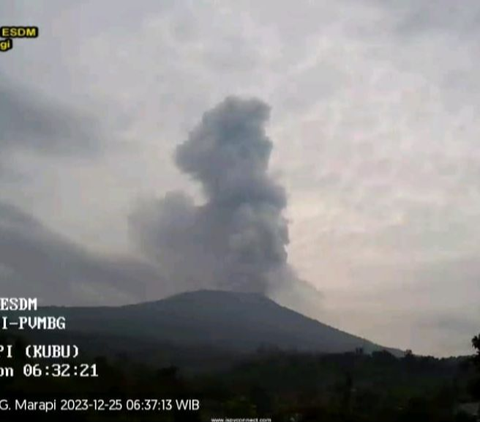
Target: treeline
<point>283,386</point>
<point>349,386</point>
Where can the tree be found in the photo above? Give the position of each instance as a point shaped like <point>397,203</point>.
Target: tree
<point>476,346</point>
<point>475,385</point>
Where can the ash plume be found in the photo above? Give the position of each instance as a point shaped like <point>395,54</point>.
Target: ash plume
<point>237,240</point>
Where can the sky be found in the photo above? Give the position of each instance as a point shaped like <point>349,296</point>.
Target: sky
<point>373,123</point>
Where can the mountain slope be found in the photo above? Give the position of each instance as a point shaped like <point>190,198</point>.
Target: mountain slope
<point>240,322</point>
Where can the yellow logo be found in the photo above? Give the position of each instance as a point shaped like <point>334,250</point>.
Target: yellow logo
<point>9,32</point>
<point>6,45</point>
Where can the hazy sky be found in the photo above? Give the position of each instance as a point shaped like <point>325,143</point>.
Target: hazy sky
<point>374,119</point>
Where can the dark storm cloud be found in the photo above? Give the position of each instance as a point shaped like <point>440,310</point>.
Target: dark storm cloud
<point>33,121</point>
<point>39,263</point>
<point>237,240</point>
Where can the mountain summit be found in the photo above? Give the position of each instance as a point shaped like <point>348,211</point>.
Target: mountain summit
<point>239,322</point>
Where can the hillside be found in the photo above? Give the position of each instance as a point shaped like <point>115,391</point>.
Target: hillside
<point>238,322</point>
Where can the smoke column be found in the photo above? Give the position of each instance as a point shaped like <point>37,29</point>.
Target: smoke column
<point>237,240</point>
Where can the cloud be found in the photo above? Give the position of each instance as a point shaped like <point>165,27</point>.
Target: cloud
<point>239,236</point>
<point>237,240</point>
<point>29,120</point>
<point>36,262</point>
<point>417,16</point>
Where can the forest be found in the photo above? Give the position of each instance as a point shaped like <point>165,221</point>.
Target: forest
<point>285,386</point>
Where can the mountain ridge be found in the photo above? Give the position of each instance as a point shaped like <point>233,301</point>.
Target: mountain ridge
<point>238,321</point>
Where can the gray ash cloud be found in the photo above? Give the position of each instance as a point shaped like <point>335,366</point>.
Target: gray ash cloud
<point>31,120</point>
<point>237,239</point>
